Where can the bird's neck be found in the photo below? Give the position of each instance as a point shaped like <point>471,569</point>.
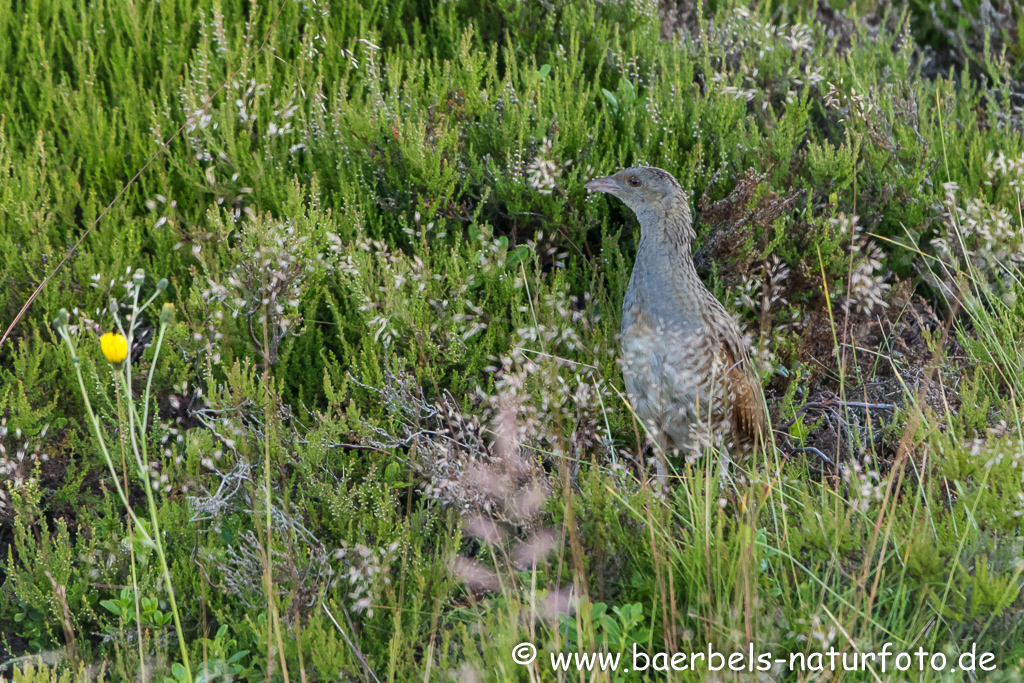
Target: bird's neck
<point>666,232</point>
<point>664,284</point>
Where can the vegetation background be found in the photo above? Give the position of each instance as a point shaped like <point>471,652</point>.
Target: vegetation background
<point>387,437</point>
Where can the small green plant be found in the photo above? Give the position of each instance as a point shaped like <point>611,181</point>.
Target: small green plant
<point>225,659</point>
<point>616,628</point>
<point>124,608</point>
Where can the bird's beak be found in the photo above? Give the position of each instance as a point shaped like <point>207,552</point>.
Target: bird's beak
<point>609,185</point>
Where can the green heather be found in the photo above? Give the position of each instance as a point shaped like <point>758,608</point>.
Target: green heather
<point>381,434</point>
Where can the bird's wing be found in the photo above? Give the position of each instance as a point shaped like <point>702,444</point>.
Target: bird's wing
<point>744,390</point>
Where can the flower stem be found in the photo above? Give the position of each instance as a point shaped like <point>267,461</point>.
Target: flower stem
<point>99,436</point>
<point>131,546</point>
<point>144,473</point>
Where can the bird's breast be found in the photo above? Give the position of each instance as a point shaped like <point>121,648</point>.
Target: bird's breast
<point>656,308</point>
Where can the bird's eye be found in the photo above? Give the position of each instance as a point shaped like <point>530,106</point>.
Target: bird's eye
<point>634,181</point>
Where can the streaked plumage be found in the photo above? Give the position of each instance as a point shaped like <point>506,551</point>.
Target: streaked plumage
<point>685,365</point>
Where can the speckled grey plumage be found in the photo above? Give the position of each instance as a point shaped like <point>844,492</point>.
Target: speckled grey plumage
<point>685,365</point>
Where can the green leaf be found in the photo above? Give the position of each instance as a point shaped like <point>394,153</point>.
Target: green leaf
<point>798,430</point>
<point>518,255</point>
<point>612,102</point>
<point>626,89</point>
<point>109,605</point>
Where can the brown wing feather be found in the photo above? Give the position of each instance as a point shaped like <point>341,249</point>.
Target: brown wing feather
<point>744,387</point>
<point>745,394</point>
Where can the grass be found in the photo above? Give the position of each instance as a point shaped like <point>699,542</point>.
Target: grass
<point>385,437</point>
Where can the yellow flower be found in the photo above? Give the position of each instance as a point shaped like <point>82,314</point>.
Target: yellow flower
<point>115,347</point>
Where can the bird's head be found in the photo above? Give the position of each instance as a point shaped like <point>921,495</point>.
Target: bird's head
<point>642,188</point>
<point>655,197</point>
